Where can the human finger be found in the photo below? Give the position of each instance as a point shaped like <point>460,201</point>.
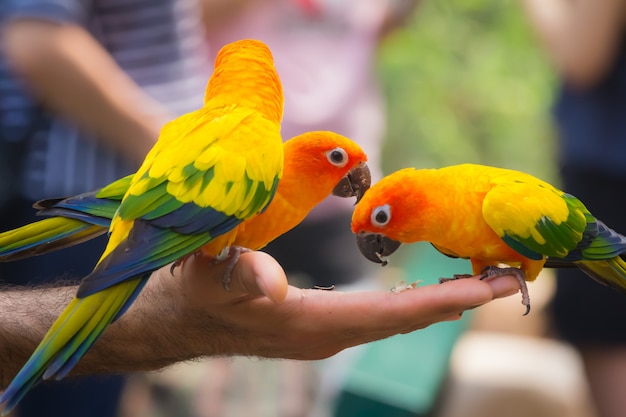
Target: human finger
<point>258,273</point>
<point>255,274</point>
<point>503,286</point>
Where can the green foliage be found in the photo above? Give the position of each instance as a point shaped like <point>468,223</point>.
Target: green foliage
<point>467,81</point>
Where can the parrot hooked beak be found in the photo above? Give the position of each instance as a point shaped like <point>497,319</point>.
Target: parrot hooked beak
<point>355,183</point>
<point>376,246</point>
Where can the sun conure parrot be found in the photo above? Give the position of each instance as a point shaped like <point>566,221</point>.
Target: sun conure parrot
<point>316,165</point>
<point>208,171</point>
<point>491,216</point>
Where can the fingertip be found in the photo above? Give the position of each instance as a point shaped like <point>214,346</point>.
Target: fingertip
<point>266,276</point>
<point>503,286</point>
<point>468,292</point>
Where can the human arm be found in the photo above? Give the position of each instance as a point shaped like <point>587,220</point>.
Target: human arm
<point>218,13</point>
<point>73,75</point>
<point>580,36</point>
<point>178,318</point>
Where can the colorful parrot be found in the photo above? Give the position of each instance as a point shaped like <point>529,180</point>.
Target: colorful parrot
<point>316,164</point>
<point>491,216</point>
<point>209,170</point>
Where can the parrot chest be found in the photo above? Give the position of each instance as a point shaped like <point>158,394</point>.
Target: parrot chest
<point>460,230</point>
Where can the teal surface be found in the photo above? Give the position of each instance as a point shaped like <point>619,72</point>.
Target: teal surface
<point>405,372</point>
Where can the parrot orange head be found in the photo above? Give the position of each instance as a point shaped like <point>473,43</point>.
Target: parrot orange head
<point>385,213</point>
<point>245,76</point>
<point>316,165</point>
<point>327,161</point>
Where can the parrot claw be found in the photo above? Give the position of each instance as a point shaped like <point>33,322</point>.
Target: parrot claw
<point>455,277</point>
<point>458,276</point>
<point>181,261</point>
<point>490,272</point>
<point>231,253</point>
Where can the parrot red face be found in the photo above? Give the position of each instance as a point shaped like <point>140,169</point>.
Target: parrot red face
<point>376,218</point>
<point>324,162</point>
<point>376,246</point>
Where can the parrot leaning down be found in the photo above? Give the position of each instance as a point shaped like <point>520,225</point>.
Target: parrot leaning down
<point>491,216</point>
<point>208,171</point>
<point>316,165</point>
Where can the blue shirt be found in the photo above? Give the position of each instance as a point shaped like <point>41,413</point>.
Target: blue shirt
<point>159,44</point>
<point>592,123</point>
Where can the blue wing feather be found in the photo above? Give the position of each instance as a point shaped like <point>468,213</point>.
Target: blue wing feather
<point>146,249</point>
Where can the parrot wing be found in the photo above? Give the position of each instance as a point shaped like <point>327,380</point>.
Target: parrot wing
<point>534,218</point>
<point>175,207</point>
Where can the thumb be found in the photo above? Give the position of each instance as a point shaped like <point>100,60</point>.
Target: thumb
<point>257,273</point>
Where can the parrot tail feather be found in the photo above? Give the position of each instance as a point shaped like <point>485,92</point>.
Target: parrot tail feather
<point>63,366</point>
<point>611,272</point>
<point>45,236</point>
<point>69,338</point>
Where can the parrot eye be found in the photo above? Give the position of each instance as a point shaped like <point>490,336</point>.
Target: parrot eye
<point>338,157</point>
<point>381,215</point>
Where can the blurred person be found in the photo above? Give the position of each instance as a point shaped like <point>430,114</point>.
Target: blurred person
<point>586,42</point>
<point>85,87</point>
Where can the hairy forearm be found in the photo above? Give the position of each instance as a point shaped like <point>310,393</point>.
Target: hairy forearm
<point>156,331</point>
<point>28,313</point>
<point>70,73</point>
<point>580,36</point>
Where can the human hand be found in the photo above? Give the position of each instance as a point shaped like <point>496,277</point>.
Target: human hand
<point>263,316</point>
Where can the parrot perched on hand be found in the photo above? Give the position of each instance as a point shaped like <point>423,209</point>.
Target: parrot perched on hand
<point>316,164</point>
<point>491,216</point>
<point>208,171</point>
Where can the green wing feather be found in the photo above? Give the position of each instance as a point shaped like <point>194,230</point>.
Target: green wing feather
<point>534,218</point>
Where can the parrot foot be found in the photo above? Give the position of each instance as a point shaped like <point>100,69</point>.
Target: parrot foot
<point>491,272</point>
<point>232,254</point>
<point>455,277</point>
<point>181,261</point>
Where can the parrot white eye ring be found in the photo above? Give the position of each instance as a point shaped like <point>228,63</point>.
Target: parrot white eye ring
<point>337,157</point>
<point>381,215</point>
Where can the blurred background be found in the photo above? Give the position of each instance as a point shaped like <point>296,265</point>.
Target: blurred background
<point>458,81</point>
<point>467,81</point>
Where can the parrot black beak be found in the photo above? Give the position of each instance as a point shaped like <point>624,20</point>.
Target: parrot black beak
<point>354,183</point>
<point>375,247</point>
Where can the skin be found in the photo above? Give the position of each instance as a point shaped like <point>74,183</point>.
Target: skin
<point>74,76</point>
<point>580,36</point>
<point>261,316</point>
